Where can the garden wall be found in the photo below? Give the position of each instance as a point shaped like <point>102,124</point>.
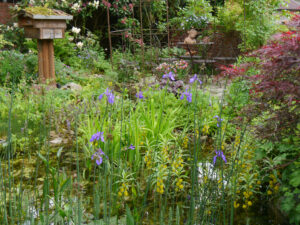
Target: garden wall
<point>5,16</point>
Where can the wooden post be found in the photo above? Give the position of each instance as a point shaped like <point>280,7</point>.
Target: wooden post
<point>46,61</point>
<point>109,37</point>
<point>142,34</point>
<point>168,27</point>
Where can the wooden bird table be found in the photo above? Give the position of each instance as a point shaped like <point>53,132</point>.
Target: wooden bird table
<point>44,28</point>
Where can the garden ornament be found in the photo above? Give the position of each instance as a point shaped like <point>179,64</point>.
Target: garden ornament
<point>190,40</point>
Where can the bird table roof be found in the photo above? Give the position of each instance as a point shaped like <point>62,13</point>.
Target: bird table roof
<point>45,13</point>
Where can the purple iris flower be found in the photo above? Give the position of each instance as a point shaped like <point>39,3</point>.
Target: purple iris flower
<point>98,156</point>
<point>169,75</point>
<point>132,147</point>
<point>187,94</point>
<point>140,95</point>
<point>109,95</point>
<point>219,120</point>
<point>97,136</point>
<point>219,154</point>
<point>195,78</point>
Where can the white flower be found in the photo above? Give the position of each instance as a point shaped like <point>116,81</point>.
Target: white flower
<point>16,7</point>
<point>31,2</point>
<point>16,25</point>
<point>71,38</point>
<point>79,44</point>
<point>96,4</point>
<point>76,30</point>
<point>76,7</point>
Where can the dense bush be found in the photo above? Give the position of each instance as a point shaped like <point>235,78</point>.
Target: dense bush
<point>272,74</point>
<point>14,66</point>
<point>255,20</point>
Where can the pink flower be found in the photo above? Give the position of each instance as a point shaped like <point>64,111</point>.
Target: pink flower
<point>131,6</point>
<point>124,8</point>
<point>124,20</point>
<point>106,3</point>
<point>115,6</point>
<point>139,41</point>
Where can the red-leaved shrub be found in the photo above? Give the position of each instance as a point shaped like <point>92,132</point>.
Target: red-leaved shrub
<point>275,91</point>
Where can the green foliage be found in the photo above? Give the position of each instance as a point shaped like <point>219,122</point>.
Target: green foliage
<point>65,50</point>
<point>255,20</point>
<point>196,14</point>
<point>12,37</point>
<point>14,66</point>
<point>3,42</point>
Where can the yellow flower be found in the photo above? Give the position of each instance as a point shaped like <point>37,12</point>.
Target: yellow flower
<point>244,206</point>
<point>235,204</point>
<point>120,194</point>
<point>269,192</point>
<point>259,182</point>
<point>249,203</point>
<point>205,129</point>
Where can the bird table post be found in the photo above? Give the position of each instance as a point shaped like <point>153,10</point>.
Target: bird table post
<point>44,25</point>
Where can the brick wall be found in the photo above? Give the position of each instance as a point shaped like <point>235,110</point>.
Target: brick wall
<point>4,12</point>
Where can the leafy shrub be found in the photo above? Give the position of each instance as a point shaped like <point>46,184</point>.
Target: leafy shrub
<point>274,78</point>
<point>275,88</point>
<point>255,20</point>
<point>196,14</point>
<point>14,36</point>
<point>65,50</point>
<point>13,67</point>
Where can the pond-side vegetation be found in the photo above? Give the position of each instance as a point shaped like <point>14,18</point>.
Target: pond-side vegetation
<point>136,140</point>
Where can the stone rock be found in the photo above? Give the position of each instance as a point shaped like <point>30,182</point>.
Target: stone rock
<point>72,86</point>
<point>56,141</point>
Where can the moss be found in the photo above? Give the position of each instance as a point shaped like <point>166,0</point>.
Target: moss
<point>38,10</point>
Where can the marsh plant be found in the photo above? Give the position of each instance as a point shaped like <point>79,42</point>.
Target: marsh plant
<point>107,157</point>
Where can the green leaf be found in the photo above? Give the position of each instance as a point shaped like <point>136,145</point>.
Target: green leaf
<point>279,159</point>
<point>129,217</point>
<point>59,151</point>
<point>295,178</point>
<point>42,158</point>
<point>64,185</point>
